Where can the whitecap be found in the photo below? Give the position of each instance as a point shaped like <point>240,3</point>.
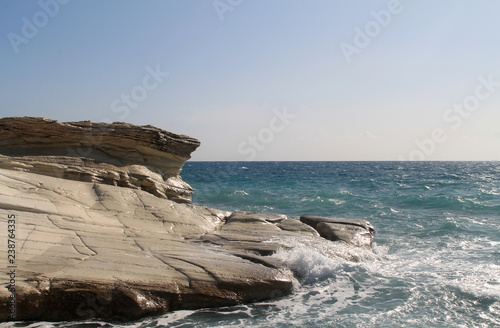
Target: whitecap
<point>33,325</point>
<point>240,192</point>
<point>172,317</point>
<point>482,281</point>
<point>494,192</point>
<point>336,201</point>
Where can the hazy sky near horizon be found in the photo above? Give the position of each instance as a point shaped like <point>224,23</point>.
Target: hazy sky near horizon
<point>266,80</point>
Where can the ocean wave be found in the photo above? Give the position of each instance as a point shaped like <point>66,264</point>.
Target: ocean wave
<point>240,192</point>
<point>315,260</point>
<point>336,201</point>
<point>493,191</point>
<point>483,282</point>
<point>445,203</point>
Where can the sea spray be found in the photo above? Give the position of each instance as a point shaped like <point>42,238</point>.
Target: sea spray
<point>314,260</point>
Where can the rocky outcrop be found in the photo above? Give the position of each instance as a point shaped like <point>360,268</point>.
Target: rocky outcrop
<point>102,248</point>
<point>357,232</point>
<point>120,154</point>
<point>131,253</point>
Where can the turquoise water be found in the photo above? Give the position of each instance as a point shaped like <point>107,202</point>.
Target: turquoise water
<point>437,243</point>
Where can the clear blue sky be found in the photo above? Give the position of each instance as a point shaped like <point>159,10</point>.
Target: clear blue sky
<point>266,80</point>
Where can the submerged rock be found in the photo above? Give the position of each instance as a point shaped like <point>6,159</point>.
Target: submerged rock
<point>106,233</point>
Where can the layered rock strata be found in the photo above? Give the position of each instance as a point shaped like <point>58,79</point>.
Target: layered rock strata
<point>99,248</point>
<point>120,154</point>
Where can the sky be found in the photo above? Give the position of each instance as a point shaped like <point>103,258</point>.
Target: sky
<point>259,80</point>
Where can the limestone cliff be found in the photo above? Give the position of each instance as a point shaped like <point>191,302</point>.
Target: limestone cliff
<point>112,245</point>
<point>120,154</point>
<point>131,253</point>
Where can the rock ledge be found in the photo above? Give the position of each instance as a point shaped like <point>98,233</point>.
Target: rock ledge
<point>120,154</point>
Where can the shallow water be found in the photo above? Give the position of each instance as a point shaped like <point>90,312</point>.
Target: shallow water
<point>437,248</point>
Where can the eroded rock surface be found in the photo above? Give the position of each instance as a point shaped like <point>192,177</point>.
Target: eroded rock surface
<point>120,154</point>
<point>80,241</point>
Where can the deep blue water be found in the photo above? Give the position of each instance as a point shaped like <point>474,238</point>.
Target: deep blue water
<point>437,242</point>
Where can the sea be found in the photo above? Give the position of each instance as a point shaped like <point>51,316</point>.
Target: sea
<point>435,259</point>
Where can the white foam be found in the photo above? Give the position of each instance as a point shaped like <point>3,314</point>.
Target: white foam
<point>317,259</point>
<point>493,191</point>
<point>170,318</point>
<point>241,192</point>
<point>482,281</point>
<point>33,325</point>
<point>336,201</point>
